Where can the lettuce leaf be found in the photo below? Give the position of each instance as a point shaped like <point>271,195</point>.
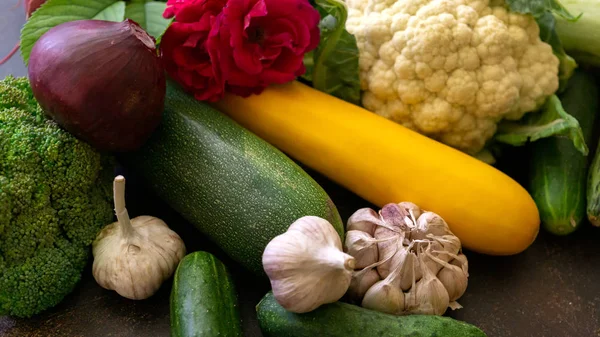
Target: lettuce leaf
<point>333,66</point>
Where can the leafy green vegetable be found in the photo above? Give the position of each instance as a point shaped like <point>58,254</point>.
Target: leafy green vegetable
<point>581,38</point>
<point>148,14</point>
<point>552,120</point>
<point>544,12</point>
<point>55,12</point>
<point>333,67</point>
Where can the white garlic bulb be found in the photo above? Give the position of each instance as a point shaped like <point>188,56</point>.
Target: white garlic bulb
<point>135,256</point>
<point>306,265</point>
<point>420,260</point>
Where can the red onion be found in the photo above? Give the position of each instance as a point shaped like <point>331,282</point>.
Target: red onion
<point>102,81</point>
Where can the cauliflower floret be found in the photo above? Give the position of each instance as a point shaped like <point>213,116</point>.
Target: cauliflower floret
<point>451,69</point>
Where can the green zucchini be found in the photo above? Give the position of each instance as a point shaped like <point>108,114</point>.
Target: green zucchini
<point>558,172</point>
<point>234,187</point>
<point>203,299</point>
<point>346,320</point>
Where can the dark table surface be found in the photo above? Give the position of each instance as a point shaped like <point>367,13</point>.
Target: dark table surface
<point>552,289</point>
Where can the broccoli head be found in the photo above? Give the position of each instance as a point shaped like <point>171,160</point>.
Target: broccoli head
<point>55,196</point>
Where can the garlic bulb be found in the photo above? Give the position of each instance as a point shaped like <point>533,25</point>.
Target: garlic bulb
<point>306,265</point>
<point>135,256</point>
<point>420,260</point>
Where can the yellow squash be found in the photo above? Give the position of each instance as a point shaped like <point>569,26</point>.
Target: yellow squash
<point>384,162</point>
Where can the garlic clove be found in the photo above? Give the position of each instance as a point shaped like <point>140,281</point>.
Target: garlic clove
<point>306,265</point>
<point>135,256</point>
<point>428,296</point>
<point>453,277</point>
<point>450,243</point>
<point>462,262</point>
<point>363,247</point>
<point>365,219</point>
<point>361,282</point>
<point>394,216</point>
<point>393,226</point>
<point>430,223</point>
<point>413,210</point>
<point>454,280</point>
<point>408,271</point>
<point>386,268</point>
<point>384,296</point>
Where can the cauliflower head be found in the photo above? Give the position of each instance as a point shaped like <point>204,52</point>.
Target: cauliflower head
<point>55,196</point>
<point>451,69</point>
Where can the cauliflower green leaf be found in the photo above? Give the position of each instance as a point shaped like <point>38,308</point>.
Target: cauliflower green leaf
<point>552,120</point>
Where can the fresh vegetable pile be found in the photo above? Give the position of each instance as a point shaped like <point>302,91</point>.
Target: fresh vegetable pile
<point>405,103</point>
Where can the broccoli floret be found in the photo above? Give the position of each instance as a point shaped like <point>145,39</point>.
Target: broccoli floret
<point>55,196</point>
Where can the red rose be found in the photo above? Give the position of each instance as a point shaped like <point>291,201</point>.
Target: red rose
<point>174,6</point>
<point>188,51</point>
<point>264,42</point>
<point>241,46</point>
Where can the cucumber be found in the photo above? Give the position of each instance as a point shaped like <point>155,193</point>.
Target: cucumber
<point>558,172</point>
<point>234,187</point>
<point>203,299</point>
<point>593,188</point>
<point>345,320</point>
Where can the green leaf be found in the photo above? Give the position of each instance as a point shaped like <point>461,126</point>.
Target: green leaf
<point>334,66</point>
<point>544,12</point>
<point>56,12</point>
<point>148,14</point>
<point>538,8</point>
<point>114,12</point>
<point>552,120</point>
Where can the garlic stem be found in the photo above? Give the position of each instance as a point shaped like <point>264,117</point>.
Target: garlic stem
<point>120,210</point>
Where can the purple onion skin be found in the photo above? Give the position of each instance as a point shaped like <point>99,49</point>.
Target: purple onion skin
<point>102,81</point>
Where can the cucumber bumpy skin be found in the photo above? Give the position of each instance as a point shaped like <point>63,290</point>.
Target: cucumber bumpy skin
<point>204,299</point>
<point>345,320</point>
